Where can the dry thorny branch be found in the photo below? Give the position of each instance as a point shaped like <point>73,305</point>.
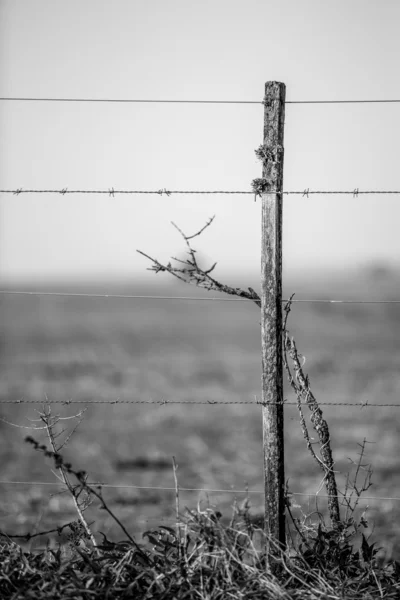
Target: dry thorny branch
<point>80,496</point>
<point>91,490</point>
<point>190,272</point>
<point>301,386</point>
<point>352,488</point>
<point>82,492</point>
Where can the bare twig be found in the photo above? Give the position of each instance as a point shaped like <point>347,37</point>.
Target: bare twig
<point>81,476</point>
<point>357,491</point>
<point>192,273</point>
<point>177,515</point>
<point>29,536</point>
<point>81,505</point>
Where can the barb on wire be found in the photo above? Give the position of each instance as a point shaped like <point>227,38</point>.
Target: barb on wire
<point>258,187</point>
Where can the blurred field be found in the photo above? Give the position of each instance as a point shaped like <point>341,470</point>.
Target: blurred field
<point>108,349</point>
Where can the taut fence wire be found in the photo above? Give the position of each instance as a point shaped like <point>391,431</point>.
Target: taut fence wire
<point>161,101</point>
<point>197,298</point>
<point>189,402</point>
<point>184,489</point>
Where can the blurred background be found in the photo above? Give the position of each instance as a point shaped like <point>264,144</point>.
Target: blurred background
<point>102,349</point>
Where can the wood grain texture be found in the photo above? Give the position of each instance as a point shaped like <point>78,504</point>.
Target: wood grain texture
<point>271,313</point>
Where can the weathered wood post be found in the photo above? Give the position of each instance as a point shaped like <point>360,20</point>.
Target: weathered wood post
<point>271,316</point>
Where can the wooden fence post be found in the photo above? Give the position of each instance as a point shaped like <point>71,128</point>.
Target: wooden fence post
<point>271,317</point>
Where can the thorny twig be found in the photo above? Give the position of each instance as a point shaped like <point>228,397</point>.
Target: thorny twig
<point>301,386</point>
<point>29,536</point>
<point>355,490</point>
<point>81,503</point>
<point>81,476</point>
<point>192,273</point>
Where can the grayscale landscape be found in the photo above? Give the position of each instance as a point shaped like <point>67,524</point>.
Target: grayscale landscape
<point>97,350</point>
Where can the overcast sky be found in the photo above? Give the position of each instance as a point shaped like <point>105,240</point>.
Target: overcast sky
<point>187,49</point>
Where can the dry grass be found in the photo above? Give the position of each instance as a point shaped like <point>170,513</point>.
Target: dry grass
<point>198,558</point>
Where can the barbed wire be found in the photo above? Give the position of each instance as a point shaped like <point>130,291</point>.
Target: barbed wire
<point>183,489</point>
<point>112,192</point>
<point>163,402</point>
<point>155,101</point>
<point>199,298</point>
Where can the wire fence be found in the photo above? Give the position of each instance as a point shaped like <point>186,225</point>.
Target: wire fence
<point>112,192</point>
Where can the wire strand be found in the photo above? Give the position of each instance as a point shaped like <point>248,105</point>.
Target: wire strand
<point>183,489</point>
<point>163,402</point>
<point>156,101</point>
<point>198,298</point>
<point>112,192</point>
<point>130,100</point>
